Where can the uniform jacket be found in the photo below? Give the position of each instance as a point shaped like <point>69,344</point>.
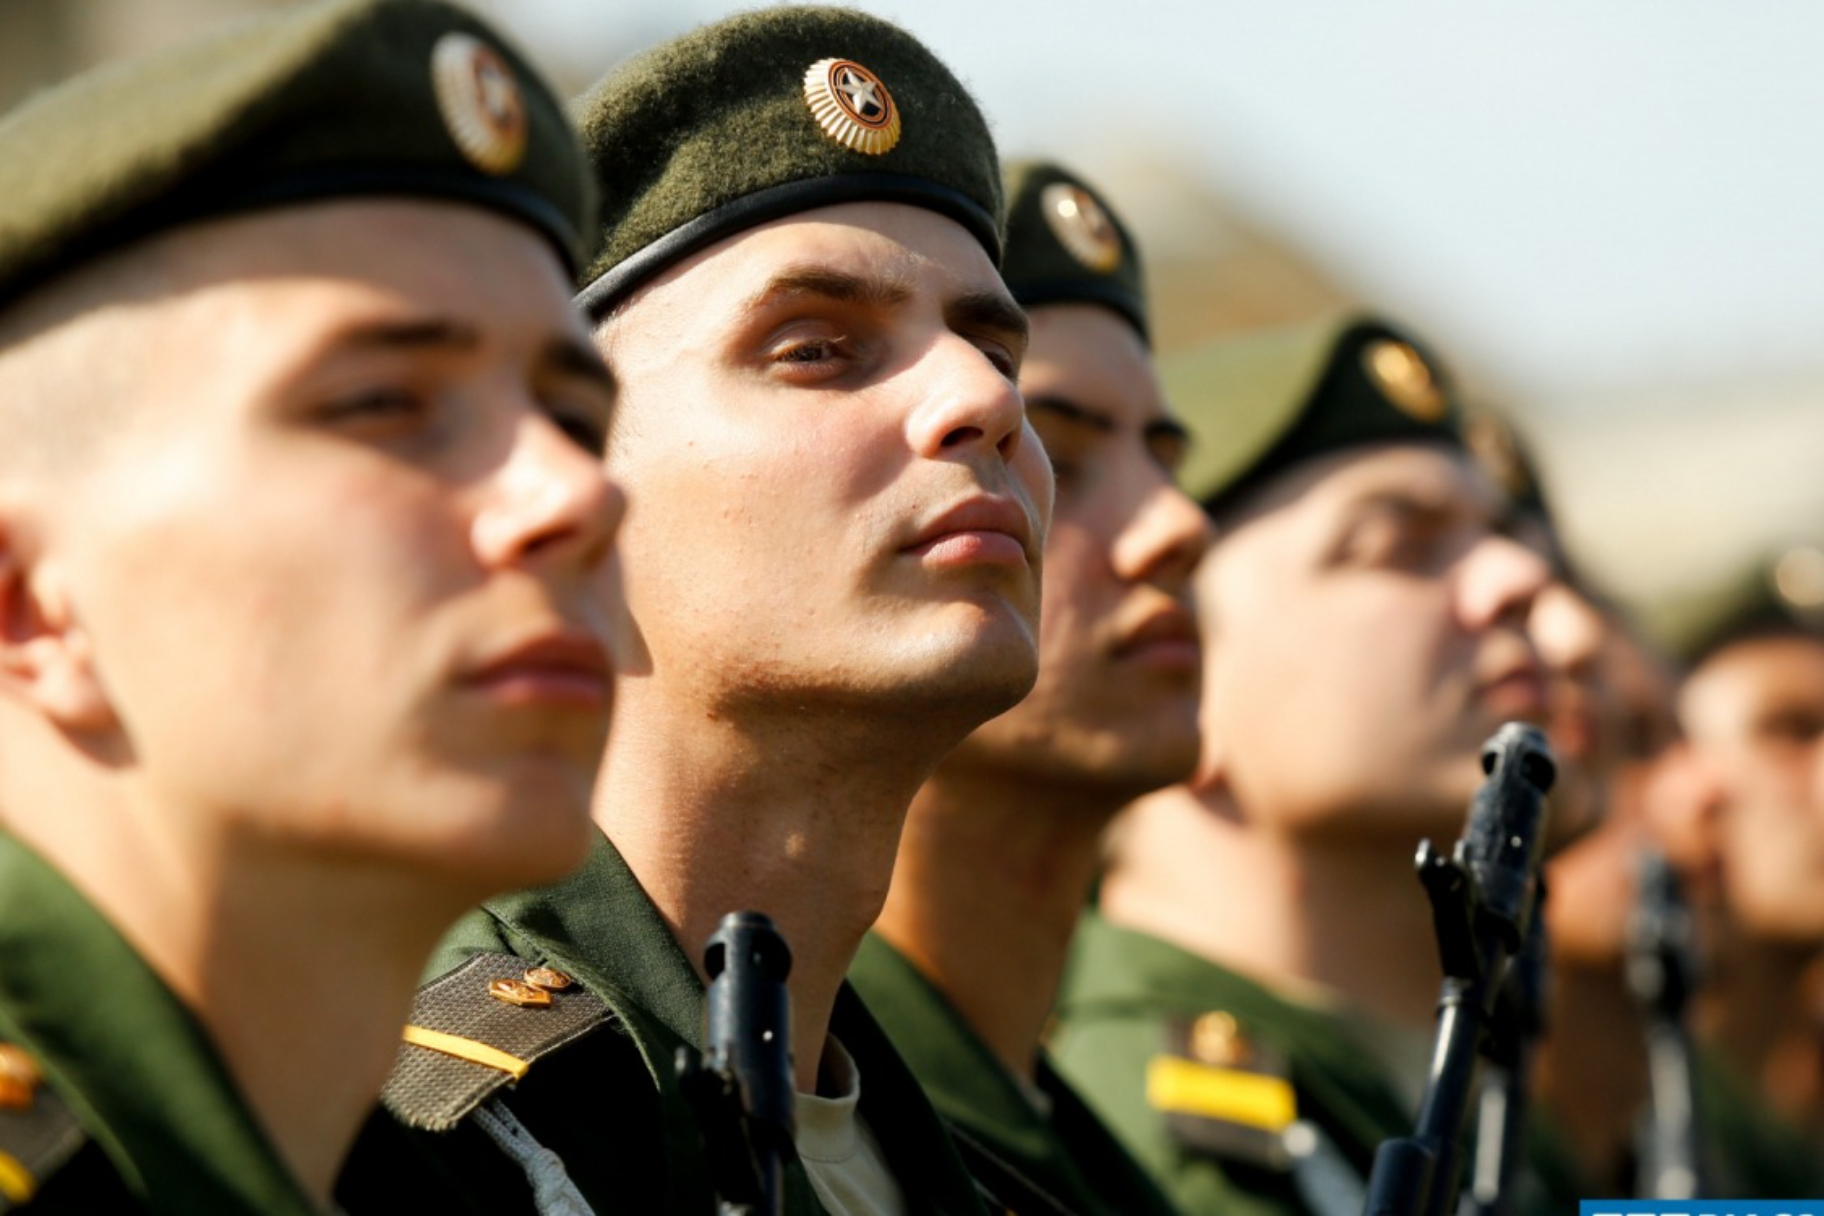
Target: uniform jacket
<point>1239,1102</point>
<point>1065,1151</point>
<point>136,1112</point>
<point>608,1104</point>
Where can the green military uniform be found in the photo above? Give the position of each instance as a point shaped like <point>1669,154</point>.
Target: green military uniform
<point>607,1103</point>
<point>1048,1137</point>
<point>136,1111</point>
<point>1236,1098</point>
<point>112,1096</point>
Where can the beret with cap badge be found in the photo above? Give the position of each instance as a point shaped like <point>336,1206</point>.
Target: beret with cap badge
<point>1264,403</point>
<point>771,113</point>
<point>1066,245</point>
<point>408,98</point>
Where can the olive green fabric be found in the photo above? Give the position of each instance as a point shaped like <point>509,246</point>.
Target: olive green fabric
<point>711,133</point>
<point>1777,594</point>
<point>141,1075</point>
<point>1121,994</point>
<point>1066,245</point>
<point>608,1104</point>
<point>1264,403</point>
<point>329,100</point>
<point>1065,1150</point>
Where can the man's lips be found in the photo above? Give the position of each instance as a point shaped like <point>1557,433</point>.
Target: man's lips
<point>563,668</point>
<point>1519,692</point>
<point>1166,637</point>
<point>985,529</point>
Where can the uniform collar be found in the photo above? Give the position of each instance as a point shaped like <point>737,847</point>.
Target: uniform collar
<point>131,1060</point>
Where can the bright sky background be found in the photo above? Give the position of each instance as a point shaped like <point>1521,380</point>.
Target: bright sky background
<point>1591,201</point>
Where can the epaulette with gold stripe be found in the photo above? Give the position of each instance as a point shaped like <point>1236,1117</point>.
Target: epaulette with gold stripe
<point>1222,1092</point>
<point>38,1131</point>
<point>478,1028</point>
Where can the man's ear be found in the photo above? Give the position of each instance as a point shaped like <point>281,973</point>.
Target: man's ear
<point>46,658</point>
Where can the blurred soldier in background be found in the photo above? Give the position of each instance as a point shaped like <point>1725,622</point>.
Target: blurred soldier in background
<point>305,572</point>
<point>1252,1009</point>
<point>1003,841</point>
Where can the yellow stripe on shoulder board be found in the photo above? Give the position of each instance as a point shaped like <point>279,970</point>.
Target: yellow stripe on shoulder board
<point>16,1182</point>
<point>1180,1086</point>
<point>467,1049</point>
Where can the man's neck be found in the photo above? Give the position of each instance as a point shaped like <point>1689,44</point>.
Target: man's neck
<point>1342,914</point>
<point>990,882</point>
<point>799,819</point>
<point>301,969</point>
<point>1592,1070</point>
<point>1763,1011</point>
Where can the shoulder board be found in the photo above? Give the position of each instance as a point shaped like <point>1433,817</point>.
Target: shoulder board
<point>38,1131</point>
<point>1223,1093</point>
<point>478,1028</point>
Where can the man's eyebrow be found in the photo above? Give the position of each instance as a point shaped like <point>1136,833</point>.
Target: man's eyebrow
<point>882,291</point>
<point>988,310</point>
<point>574,357</point>
<point>1070,411</point>
<point>414,334</point>
<point>1166,428</point>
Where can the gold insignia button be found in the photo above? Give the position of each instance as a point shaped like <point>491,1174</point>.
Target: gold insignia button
<point>19,1078</point>
<point>1403,377</point>
<point>1492,445</point>
<point>1216,1038</point>
<point>548,978</point>
<point>519,992</point>
<point>1081,226</point>
<point>852,106</point>
<point>480,101</point>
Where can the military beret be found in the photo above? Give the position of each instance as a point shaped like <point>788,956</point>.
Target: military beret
<point>1264,403</point>
<point>349,98</point>
<point>767,114</point>
<point>1066,245</point>
<point>1778,594</point>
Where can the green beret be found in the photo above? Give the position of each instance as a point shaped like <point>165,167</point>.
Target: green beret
<point>350,98</point>
<point>767,114</point>
<point>1264,403</point>
<point>1780,594</point>
<point>1066,245</point>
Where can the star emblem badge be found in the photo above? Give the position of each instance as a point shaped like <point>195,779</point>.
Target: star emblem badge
<point>852,106</point>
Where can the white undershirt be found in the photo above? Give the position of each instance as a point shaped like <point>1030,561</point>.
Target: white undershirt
<point>848,1171</point>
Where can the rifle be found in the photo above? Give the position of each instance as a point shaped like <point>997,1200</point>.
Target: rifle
<point>1514,1032</point>
<point>1662,973</point>
<point>741,1087</point>
<point>1483,900</point>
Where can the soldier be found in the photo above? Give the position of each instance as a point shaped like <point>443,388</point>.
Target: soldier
<point>832,578</point>
<point>1753,708</point>
<point>1003,840</point>
<point>304,563</point>
<point>1252,1009</point>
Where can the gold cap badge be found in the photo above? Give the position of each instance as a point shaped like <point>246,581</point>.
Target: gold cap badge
<point>852,106</point>
<point>1403,377</point>
<point>1081,226</point>
<point>480,102</point>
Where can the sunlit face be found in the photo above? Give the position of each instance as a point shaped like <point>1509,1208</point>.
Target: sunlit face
<point>1755,711</point>
<point>1115,707</point>
<point>1569,632</point>
<point>1367,626</point>
<point>343,562</point>
<point>839,502</point>
<point>1594,883</point>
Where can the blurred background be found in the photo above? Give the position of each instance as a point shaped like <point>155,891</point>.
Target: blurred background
<point>1609,219</point>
